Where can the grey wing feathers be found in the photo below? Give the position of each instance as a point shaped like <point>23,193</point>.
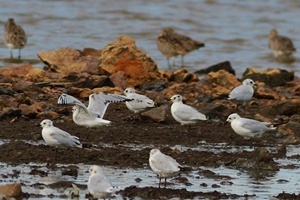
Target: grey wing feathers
<point>68,99</point>
<point>254,126</point>
<point>99,101</point>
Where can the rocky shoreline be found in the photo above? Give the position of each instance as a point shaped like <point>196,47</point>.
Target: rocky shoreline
<point>28,95</point>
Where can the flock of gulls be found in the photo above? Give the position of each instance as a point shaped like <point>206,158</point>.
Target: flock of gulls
<point>163,165</point>
<point>170,44</point>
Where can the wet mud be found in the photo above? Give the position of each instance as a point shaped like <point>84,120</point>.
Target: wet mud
<point>127,143</point>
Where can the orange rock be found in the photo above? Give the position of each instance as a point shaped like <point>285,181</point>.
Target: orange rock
<point>91,52</point>
<point>182,75</point>
<point>11,190</point>
<point>67,60</point>
<point>123,55</point>
<point>36,74</point>
<point>17,71</point>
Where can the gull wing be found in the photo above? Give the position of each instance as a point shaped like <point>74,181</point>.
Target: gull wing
<point>187,113</point>
<point>98,102</point>
<point>165,163</point>
<point>99,183</point>
<point>241,92</point>
<point>253,125</point>
<point>64,138</point>
<point>68,99</point>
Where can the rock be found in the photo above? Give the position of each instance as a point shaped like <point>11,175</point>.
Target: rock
<point>182,75</point>
<point>288,107</point>
<point>271,77</point>
<point>219,108</point>
<point>92,81</point>
<point>124,55</point>
<point>259,159</point>
<point>91,52</point>
<point>6,91</point>
<point>214,68</point>
<point>288,133</point>
<point>36,74</point>
<point>30,111</point>
<point>218,84</point>
<point>22,85</point>
<point>5,78</point>
<point>16,72</point>
<point>9,112</point>
<point>11,190</point>
<point>264,91</point>
<point>119,79</point>
<point>66,60</point>
<point>157,114</point>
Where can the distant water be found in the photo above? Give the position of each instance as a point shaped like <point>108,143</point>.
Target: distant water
<point>233,30</point>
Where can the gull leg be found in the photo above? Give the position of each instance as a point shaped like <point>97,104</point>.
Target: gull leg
<point>173,61</point>
<point>19,53</point>
<point>159,182</point>
<point>168,59</point>
<point>11,53</point>
<point>182,61</point>
<point>165,182</point>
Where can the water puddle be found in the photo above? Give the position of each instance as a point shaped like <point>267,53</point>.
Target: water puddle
<point>225,180</point>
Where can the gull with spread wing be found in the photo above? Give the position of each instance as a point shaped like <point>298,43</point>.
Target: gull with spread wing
<point>91,116</point>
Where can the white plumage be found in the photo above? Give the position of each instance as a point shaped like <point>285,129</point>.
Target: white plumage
<point>139,102</point>
<point>243,92</point>
<point>163,165</point>
<point>56,137</point>
<point>248,127</point>
<point>91,116</point>
<point>98,185</point>
<point>185,114</point>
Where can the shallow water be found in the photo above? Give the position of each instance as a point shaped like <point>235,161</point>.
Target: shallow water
<point>240,182</point>
<point>232,30</point>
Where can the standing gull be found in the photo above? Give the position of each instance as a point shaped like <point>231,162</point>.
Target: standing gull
<point>139,102</point>
<point>91,116</point>
<point>98,185</point>
<point>14,37</point>
<point>172,44</point>
<point>56,137</point>
<point>163,165</point>
<point>243,92</point>
<point>248,127</point>
<point>185,114</point>
<point>280,45</point>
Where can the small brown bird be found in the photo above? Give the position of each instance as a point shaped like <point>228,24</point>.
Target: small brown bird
<point>14,36</point>
<point>280,45</point>
<point>172,44</point>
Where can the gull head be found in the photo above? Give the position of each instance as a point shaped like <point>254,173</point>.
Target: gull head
<point>75,108</point>
<point>95,169</point>
<point>46,123</point>
<point>153,151</point>
<point>232,117</point>
<point>176,98</point>
<point>249,82</point>
<point>129,90</point>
